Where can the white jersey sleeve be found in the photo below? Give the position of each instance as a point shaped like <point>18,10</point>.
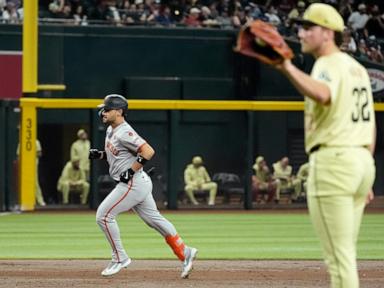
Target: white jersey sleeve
<point>130,139</point>
<point>121,146</point>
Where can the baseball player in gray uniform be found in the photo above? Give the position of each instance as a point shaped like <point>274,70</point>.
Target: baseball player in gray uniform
<point>127,153</point>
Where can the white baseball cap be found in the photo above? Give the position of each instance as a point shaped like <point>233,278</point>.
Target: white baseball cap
<point>323,15</point>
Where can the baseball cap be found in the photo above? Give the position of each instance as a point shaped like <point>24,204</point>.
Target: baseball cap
<point>194,10</point>
<point>197,160</point>
<point>301,4</point>
<point>323,15</point>
<point>80,132</point>
<point>259,159</point>
<point>361,6</point>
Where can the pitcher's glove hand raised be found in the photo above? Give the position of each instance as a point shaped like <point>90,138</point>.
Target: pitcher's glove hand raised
<point>262,41</point>
<point>126,176</point>
<point>96,154</point>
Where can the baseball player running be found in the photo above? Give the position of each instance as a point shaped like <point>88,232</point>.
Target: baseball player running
<point>127,153</point>
<point>339,138</point>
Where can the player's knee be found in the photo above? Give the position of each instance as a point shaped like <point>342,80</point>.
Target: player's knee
<point>102,218</point>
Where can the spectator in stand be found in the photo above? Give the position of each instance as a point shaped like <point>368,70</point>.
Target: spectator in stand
<point>164,17</point>
<point>193,19</point>
<point>207,19</point>
<point>112,14</point>
<point>143,11</point>
<point>302,175</point>
<point>97,12</point>
<point>10,14</point>
<point>3,3</point>
<point>262,182</point>
<point>349,44</point>
<point>79,16</point>
<point>197,178</point>
<point>282,171</point>
<point>362,51</point>
<point>272,16</point>
<point>345,9</point>
<point>66,13</point>
<point>214,13</point>
<point>240,18</point>
<point>153,12</point>
<point>375,25</point>
<point>224,20</point>
<point>297,11</point>
<point>375,55</point>
<point>56,7</point>
<point>359,18</point>
<point>73,179</point>
<point>255,11</point>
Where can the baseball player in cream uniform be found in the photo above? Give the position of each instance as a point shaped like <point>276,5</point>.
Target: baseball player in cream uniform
<point>127,153</point>
<point>339,138</point>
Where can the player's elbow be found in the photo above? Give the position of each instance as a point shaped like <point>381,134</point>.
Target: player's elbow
<point>323,96</point>
<point>147,151</point>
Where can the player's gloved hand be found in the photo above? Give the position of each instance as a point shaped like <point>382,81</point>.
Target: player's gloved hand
<point>126,176</point>
<point>95,154</point>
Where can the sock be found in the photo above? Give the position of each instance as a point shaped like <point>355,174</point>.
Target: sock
<point>177,245</point>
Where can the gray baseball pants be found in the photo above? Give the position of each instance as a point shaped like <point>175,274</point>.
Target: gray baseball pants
<point>136,195</point>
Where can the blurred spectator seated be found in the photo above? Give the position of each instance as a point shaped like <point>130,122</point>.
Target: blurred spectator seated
<point>196,179</point>
<point>359,18</point>
<point>193,19</point>
<point>287,183</point>
<point>73,180</point>
<point>375,24</point>
<point>362,50</point>
<point>229,185</point>
<point>112,14</point>
<point>302,175</point>
<point>296,12</point>
<point>349,44</point>
<point>208,18</point>
<point>164,18</point>
<point>263,183</point>
<point>10,14</point>
<point>273,17</point>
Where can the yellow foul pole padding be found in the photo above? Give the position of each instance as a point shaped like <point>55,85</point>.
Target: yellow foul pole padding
<point>30,39</point>
<point>27,170</point>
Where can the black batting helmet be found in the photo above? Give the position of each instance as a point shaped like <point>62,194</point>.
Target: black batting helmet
<point>114,102</point>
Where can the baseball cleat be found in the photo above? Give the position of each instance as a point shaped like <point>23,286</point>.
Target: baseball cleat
<point>115,267</point>
<point>188,262</point>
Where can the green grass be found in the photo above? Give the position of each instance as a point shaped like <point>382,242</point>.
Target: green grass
<point>218,236</point>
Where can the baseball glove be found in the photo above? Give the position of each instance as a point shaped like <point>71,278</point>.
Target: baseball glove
<point>262,41</point>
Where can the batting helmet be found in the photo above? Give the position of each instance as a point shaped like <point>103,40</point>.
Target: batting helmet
<point>114,102</point>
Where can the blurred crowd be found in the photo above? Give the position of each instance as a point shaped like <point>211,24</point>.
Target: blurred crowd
<point>364,36</point>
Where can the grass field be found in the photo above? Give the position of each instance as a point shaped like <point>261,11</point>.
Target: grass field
<point>218,236</point>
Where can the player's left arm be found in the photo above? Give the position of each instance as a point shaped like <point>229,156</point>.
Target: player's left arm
<point>145,154</point>
<point>371,148</point>
<point>305,84</point>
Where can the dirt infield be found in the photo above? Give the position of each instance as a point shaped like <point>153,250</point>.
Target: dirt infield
<point>159,273</point>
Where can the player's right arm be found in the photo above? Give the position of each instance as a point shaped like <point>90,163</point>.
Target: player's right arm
<point>373,144</point>
<point>146,152</point>
<point>305,84</point>
<point>96,154</point>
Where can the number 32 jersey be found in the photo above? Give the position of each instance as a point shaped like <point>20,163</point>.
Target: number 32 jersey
<point>349,119</point>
